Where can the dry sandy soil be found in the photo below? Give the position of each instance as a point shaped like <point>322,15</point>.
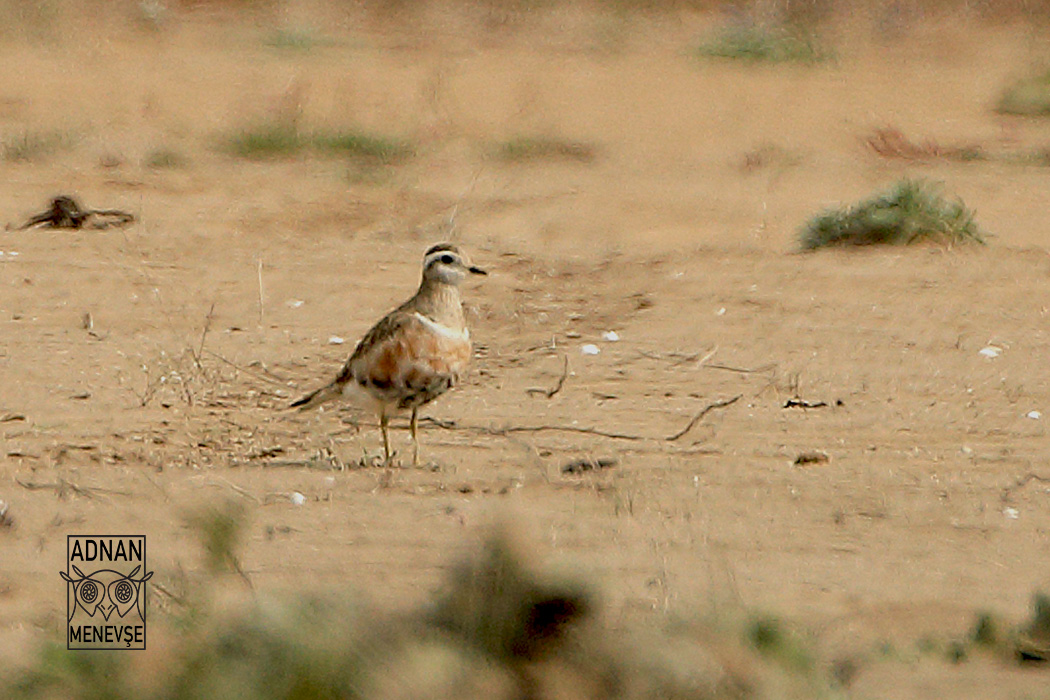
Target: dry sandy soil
<point>216,307</point>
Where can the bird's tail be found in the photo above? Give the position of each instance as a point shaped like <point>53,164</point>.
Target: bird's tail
<point>322,395</point>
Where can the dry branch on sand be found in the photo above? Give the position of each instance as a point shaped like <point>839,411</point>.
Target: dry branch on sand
<point>66,212</point>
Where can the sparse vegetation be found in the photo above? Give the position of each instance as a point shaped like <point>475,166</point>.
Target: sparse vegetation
<point>758,44</point>
<point>530,148</point>
<point>912,211</point>
<point>164,159</point>
<point>375,148</point>
<point>267,141</point>
<point>1033,640</point>
<point>276,141</point>
<point>34,145</point>
<point>771,638</point>
<point>219,529</point>
<point>296,40</point>
<point>1028,96</point>
<point>498,629</point>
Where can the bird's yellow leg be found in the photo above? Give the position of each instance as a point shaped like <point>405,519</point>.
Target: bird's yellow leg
<point>414,427</point>
<point>384,426</point>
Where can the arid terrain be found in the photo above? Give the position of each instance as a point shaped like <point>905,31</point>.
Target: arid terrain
<point>145,371</point>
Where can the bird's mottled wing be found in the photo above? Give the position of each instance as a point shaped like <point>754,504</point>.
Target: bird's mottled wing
<point>403,361</point>
<point>387,327</point>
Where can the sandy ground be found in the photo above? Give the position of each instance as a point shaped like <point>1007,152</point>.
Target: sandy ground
<point>217,306</point>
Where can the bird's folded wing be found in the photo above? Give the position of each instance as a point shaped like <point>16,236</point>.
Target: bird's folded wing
<point>401,354</point>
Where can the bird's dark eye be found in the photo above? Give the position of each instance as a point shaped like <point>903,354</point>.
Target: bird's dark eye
<point>447,259</point>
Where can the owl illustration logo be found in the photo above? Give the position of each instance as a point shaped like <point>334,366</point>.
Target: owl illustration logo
<point>106,579</point>
<point>107,591</point>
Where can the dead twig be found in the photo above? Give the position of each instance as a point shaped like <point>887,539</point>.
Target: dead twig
<point>744,370</point>
<point>556,429</point>
<point>204,335</point>
<point>262,305</point>
<point>802,403</point>
<point>1023,481</point>
<point>180,600</point>
<point>503,432</point>
<point>703,412</point>
<point>549,393</point>
<point>250,373</point>
<point>586,464</point>
<point>219,481</point>
<point>62,485</point>
<point>66,212</point>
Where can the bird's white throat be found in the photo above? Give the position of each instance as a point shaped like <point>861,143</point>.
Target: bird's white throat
<point>451,333</point>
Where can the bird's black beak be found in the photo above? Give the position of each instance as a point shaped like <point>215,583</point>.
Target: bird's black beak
<point>476,270</point>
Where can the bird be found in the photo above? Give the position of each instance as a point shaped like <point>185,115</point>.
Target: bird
<point>414,354</point>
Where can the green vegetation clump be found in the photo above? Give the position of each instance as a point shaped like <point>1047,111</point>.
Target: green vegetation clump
<point>771,638</point>
<point>164,158</point>
<point>528,148</point>
<point>267,141</point>
<point>1029,97</point>
<point>34,145</point>
<point>296,40</point>
<point>1033,640</point>
<point>497,629</point>
<point>280,141</point>
<point>375,148</point>
<point>912,211</point>
<point>758,44</point>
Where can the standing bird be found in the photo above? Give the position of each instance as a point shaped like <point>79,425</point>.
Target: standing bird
<point>415,353</point>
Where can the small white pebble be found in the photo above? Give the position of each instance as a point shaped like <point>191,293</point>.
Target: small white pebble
<point>991,351</point>
<point>590,349</point>
<point>1034,415</point>
<point>294,303</point>
<point>297,498</point>
<point>721,312</point>
<point>611,336</point>
<point>1010,513</point>
<point>335,340</point>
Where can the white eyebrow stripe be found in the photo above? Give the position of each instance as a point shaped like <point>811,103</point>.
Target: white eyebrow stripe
<point>442,329</point>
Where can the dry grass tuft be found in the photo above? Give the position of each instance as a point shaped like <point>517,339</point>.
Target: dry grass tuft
<point>1028,96</point>
<point>521,149</point>
<point>758,44</point>
<point>911,212</point>
<point>281,141</point>
<point>35,145</point>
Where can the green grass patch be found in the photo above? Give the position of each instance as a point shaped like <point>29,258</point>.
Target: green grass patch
<point>303,40</point>
<point>1028,96</point>
<point>278,141</point>
<point>35,145</point>
<point>911,212</point>
<point>164,159</point>
<point>528,148</point>
<point>772,638</point>
<point>268,141</point>
<point>756,44</point>
<point>376,148</point>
